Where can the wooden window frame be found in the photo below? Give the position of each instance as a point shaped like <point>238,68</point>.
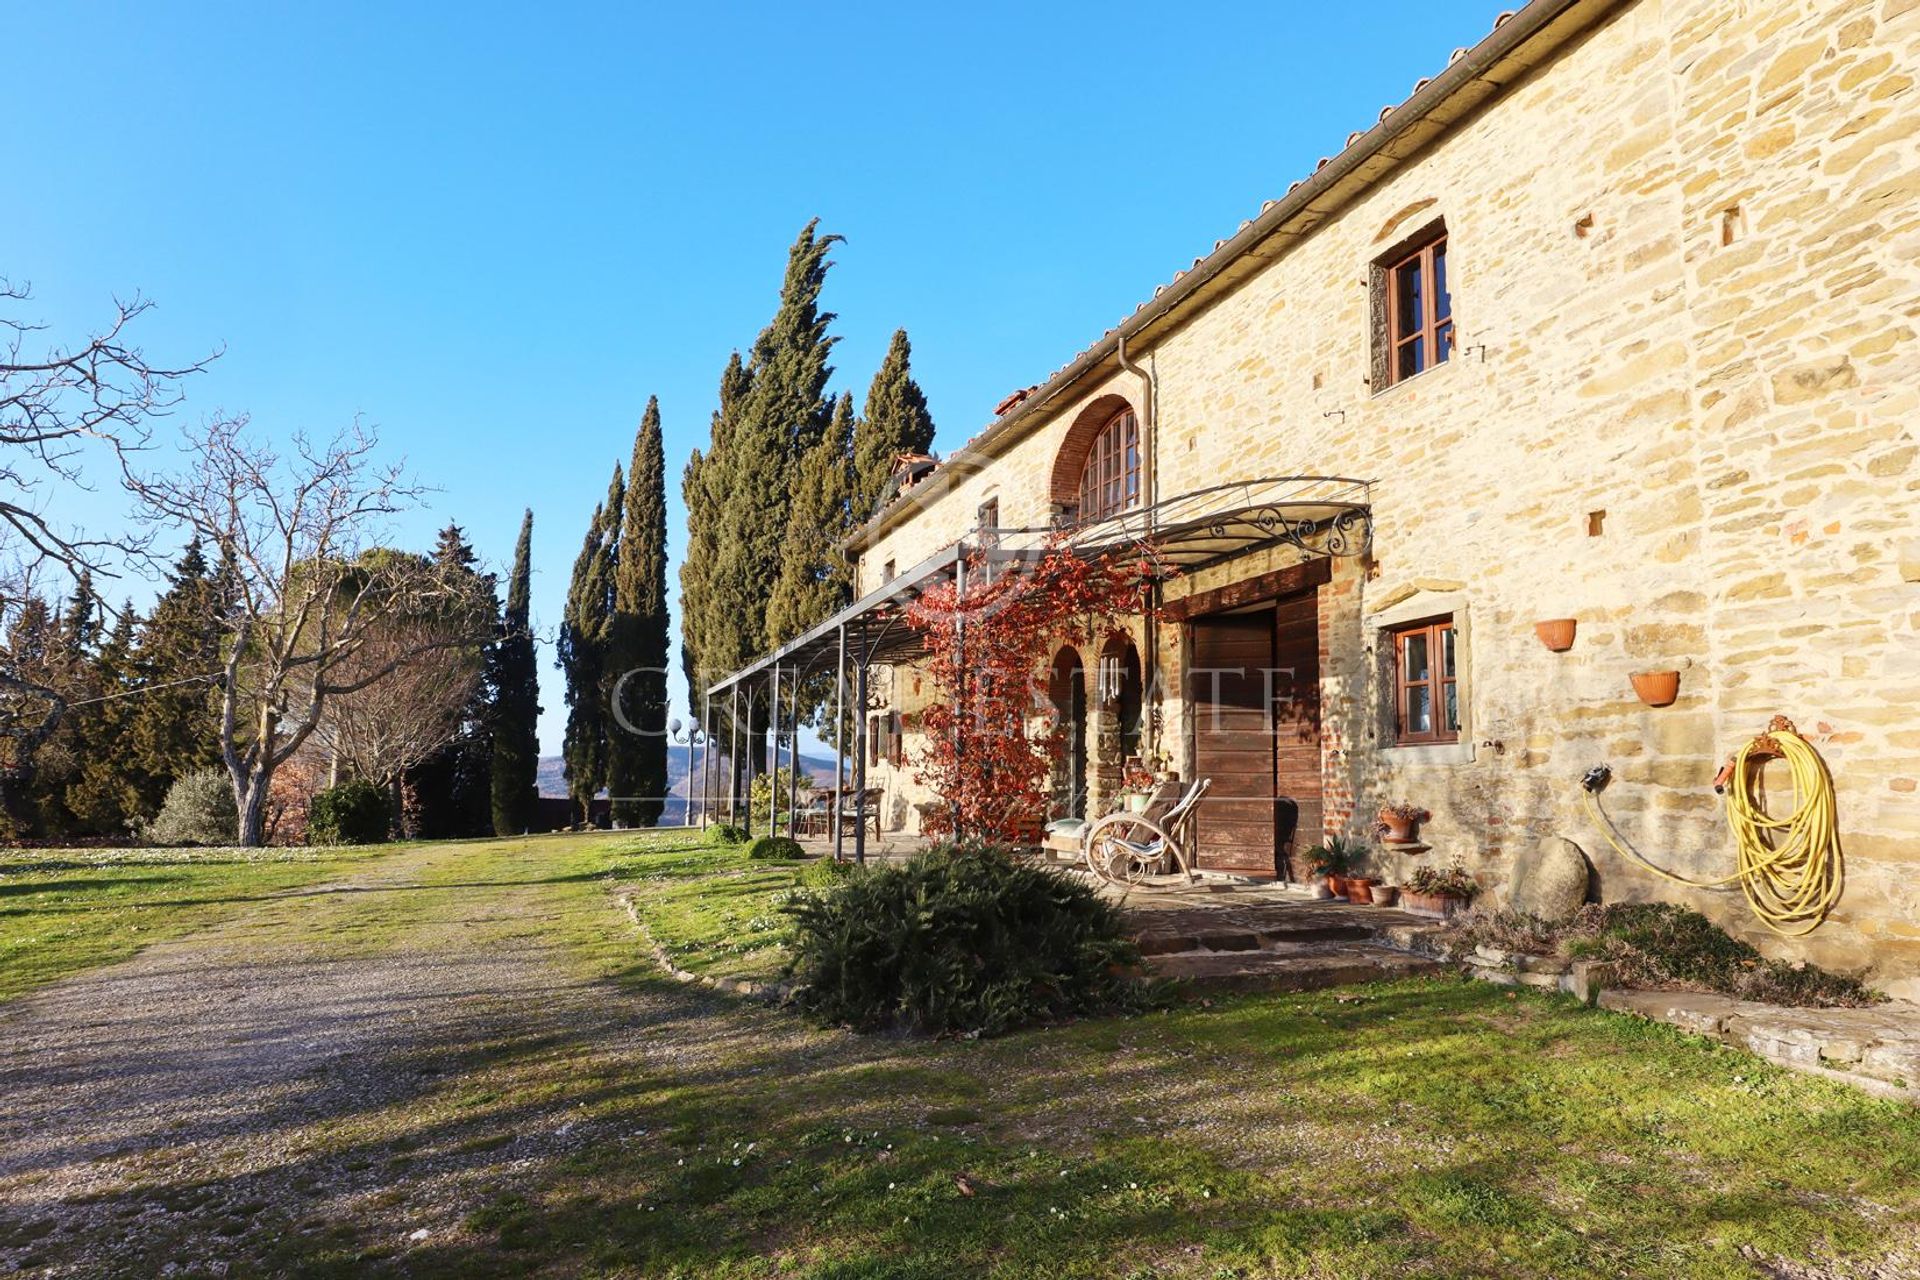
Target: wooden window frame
<point>1434,332</point>
<point>1110,476</point>
<point>986,522</point>
<point>1435,630</point>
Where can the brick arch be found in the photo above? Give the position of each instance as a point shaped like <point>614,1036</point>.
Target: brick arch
<point>1065,485</point>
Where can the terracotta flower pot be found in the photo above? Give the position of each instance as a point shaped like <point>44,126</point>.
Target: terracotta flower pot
<point>1384,894</point>
<point>1399,830</point>
<point>1360,891</point>
<point>1556,633</point>
<point>1656,688</point>
<point>1337,886</point>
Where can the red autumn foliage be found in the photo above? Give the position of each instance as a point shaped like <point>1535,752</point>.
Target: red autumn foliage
<point>990,741</point>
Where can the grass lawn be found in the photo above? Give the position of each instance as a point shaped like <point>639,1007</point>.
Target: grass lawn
<point>68,909</point>
<point>1418,1129</point>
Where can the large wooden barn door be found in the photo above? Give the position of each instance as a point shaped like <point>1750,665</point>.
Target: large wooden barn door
<point>1253,685</point>
<point>1233,741</point>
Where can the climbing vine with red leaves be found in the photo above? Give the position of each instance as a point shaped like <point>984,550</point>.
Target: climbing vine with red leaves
<point>991,744</point>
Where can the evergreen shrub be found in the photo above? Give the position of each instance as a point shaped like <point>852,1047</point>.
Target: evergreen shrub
<point>725,834</point>
<point>354,812</point>
<point>775,849</point>
<point>960,939</point>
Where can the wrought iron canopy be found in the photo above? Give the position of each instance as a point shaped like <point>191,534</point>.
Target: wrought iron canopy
<point>1321,517</point>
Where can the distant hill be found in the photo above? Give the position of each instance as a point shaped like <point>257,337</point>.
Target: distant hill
<point>553,780</point>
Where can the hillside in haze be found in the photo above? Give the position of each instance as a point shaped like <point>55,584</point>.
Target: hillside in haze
<point>553,782</point>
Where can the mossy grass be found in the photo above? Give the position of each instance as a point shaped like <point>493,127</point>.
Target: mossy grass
<point>1422,1129</point>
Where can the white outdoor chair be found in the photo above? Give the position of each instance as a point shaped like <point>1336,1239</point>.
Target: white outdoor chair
<point>1145,850</point>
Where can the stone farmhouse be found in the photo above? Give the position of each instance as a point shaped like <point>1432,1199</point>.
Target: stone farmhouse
<point>1610,321</point>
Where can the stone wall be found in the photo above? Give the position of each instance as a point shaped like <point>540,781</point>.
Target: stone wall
<point>1682,410</point>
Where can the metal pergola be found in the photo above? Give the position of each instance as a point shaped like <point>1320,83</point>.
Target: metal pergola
<point>1319,516</point>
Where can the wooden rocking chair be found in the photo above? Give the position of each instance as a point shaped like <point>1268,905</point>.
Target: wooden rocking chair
<point>1147,850</point>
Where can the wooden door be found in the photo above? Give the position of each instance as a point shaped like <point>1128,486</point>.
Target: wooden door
<point>1233,741</point>
<point>1296,722</point>
<point>1254,690</point>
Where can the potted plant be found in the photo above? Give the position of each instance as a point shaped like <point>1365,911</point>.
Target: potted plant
<point>1439,893</point>
<point>1360,890</point>
<point>1400,823</point>
<point>1384,894</point>
<point>1330,862</point>
<point>1136,785</point>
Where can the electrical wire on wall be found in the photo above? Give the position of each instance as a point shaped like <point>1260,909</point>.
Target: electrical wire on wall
<point>1790,868</point>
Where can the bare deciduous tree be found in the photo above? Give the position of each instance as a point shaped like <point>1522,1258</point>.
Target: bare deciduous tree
<point>311,608</point>
<point>382,731</point>
<point>58,406</point>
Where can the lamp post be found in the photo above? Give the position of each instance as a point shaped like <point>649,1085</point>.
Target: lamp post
<point>689,736</point>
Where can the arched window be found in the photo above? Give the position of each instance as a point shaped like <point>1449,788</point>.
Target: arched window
<point>1110,480</point>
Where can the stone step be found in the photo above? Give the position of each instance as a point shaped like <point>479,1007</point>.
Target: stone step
<point>1159,942</point>
<point>1292,968</point>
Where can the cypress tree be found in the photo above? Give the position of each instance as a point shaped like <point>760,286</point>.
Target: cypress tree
<point>514,688</point>
<point>785,414</point>
<point>703,489</point>
<point>896,422</point>
<point>584,634</point>
<point>637,747</point>
<point>815,579</point>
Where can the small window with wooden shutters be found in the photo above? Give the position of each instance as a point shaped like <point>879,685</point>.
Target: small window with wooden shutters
<point>1413,309</point>
<point>987,522</point>
<point>1426,683</point>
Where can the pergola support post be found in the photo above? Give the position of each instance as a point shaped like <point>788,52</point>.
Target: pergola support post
<point>733,756</point>
<point>839,743</point>
<point>860,753</point>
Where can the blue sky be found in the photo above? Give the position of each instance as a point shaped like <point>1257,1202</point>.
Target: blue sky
<point>493,231</point>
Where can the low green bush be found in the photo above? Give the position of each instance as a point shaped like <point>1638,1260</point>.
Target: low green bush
<point>1658,946</point>
<point>725,834</point>
<point>352,813</point>
<point>199,809</point>
<point>1662,945</point>
<point>775,849</point>
<point>961,939</point>
<point>823,873</point>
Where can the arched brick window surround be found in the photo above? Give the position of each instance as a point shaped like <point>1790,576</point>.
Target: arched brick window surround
<point>1064,489</point>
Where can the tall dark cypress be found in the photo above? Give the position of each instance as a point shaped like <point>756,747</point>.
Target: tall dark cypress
<point>785,415</point>
<point>703,489</point>
<point>896,422</point>
<point>514,687</point>
<point>584,634</point>
<point>815,579</point>
<point>637,743</point>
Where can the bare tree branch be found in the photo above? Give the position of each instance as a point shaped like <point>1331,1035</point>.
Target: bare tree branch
<point>321,613</point>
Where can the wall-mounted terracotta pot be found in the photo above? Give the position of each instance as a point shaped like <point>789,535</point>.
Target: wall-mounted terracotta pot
<point>1556,633</point>
<point>1657,688</point>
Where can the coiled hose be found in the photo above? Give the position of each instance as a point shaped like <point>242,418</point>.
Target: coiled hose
<point>1790,868</point>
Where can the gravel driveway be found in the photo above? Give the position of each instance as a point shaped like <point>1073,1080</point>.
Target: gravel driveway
<point>192,1109</point>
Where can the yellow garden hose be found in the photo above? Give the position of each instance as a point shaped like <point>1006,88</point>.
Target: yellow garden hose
<point>1790,868</point>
